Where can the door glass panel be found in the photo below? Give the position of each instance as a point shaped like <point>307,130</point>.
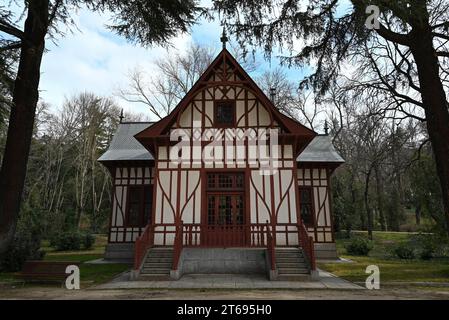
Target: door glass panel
<point>211,210</point>
<point>239,210</point>
<point>225,210</point>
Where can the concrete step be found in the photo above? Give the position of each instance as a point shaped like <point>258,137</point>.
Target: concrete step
<point>156,270</point>
<point>159,261</point>
<point>159,256</point>
<point>294,277</point>
<point>289,254</point>
<point>149,277</point>
<point>293,271</point>
<point>157,265</point>
<point>291,265</point>
<point>290,258</point>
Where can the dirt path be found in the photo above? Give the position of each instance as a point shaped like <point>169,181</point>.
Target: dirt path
<point>57,293</point>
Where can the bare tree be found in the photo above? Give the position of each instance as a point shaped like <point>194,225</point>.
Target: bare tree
<point>175,75</point>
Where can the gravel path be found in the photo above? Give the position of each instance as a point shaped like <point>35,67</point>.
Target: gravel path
<point>205,294</point>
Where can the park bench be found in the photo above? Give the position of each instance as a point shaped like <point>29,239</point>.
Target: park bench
<point>44,271</point>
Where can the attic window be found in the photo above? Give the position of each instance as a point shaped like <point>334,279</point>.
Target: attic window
<point>224,114</point>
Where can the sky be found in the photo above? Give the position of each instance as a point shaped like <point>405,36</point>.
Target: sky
<point>93,59</point>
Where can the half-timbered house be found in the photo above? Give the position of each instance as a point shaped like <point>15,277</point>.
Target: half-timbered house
<point>224,184</point>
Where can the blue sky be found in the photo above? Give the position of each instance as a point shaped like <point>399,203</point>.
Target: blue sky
<point>91,58</point>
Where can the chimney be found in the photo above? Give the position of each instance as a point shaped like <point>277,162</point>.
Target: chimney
<point>273,94</point>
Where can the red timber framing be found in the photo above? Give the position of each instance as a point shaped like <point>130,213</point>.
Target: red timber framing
<point>126,176</point>
<point>316,177</point>
<point>258,209</point>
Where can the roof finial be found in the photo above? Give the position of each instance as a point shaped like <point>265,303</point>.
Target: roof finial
<point>224,37</point>
<point>121,116</point>
<point>326,128</point>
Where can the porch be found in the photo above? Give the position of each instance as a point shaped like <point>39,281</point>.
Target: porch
<point>266,239</point>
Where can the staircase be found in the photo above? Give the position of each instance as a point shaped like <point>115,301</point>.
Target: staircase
<point>291,264</point>
<point>157,265</point>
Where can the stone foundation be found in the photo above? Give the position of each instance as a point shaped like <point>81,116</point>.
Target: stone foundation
<point>220,260</point>
<point>120,252</point>
<point>325,251</point>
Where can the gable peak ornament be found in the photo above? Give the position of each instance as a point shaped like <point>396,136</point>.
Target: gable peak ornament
<point>224,38</point>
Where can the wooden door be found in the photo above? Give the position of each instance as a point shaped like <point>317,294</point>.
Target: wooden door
<point>224,221</point>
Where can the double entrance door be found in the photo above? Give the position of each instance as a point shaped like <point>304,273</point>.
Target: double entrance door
<point>225,216</point>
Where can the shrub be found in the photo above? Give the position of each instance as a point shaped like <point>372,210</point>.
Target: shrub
<point>88,241</point>
<point>426,253</point>
<point>72,241</point>
<point>429,245</point>
<point>67,241</point>
<point>359,247</point>
<point>404,251</point>
<point>25,246</point>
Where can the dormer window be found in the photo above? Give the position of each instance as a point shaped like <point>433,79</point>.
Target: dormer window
<point>224,114</point>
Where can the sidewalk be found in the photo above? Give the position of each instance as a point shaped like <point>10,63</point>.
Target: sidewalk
<point>231,281</point>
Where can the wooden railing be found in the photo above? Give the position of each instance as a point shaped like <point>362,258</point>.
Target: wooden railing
<point>256,235</point>
<point>143,243</point>
<point>202,235</point>
<point>271,247</point>
<point>306,242</point>
<point>178,244</point>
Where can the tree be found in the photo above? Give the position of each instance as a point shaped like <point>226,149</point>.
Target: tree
<point>145,22</point>
<point>175,76</point>
<point>420,27</point>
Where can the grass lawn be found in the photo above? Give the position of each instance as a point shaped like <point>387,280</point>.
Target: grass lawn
<point>391,269</point>
<point>90,273</point>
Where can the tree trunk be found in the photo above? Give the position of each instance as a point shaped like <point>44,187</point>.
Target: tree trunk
<point>436,107</point>
<point>418,214</point>
<point>369,214</point>
<point>21,121</point>
<point>380,199</point>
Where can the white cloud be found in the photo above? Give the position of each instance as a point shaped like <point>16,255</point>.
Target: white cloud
<point>94,59</point>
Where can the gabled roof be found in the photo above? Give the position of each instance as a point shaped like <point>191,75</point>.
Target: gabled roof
<point>320,150</point>
<point>163,125</point>
<point>124,147</point>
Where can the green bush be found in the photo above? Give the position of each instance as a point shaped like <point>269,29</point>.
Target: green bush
<point>25,246</point>
<point>426,253</point>
<point>67,241</point>
<point>88,241</point>
<point>429,245</point>
<point>404,251</point>
<point>359,247</point>
<point>72,241</point>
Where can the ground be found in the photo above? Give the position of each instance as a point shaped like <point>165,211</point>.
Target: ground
<point>400,279</point>
<point>392,293</point>
<point>392,270</point>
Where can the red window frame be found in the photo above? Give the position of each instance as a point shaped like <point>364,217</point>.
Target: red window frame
<point>145,193</point>
<point>227,103</point>
<point>310,204</point>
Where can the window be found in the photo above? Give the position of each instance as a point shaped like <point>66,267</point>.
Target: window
<point>224,113</point>
<point>225,198</point>
<point>225,181</point>
<point>306,206</point>
<point>140,201</point>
